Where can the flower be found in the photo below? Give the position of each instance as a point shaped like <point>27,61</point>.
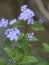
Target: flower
<point>30,12</point>
<point>23,8</point>
<point>26,15</point>
<point>30,36</point>
<point>23,16</point>
<point>12,21</point>
<point>12,34</point>
<point>40,21</point>
<point>11,61</point>
<point>3,22</point>
<point>30,21</point>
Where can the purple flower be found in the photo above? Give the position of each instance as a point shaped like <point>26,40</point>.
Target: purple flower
<point>11,61</point>
<point>40,21</point>
<point>30,36</point>
<point>12,22</point>
<point>26,15</point>
<point>3,22</point>
<point>12,34</point>
<point>30,12</point>
<point>23,16</point>
<point>23,8</point>
<point>30,21</point>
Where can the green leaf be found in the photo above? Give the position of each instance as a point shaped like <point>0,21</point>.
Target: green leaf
<point>24,46</point>
<point>9,52</point>
<point>19,24</point>
<point>42,63</point>
<point>28,60</point>
<point>21,36</point>
<point>8,63</point>
<point>3,61</point>
<point>46,47</point>
<point>7,43</point>
<point>37,26</point>
<point>17,54</point>
<point>35,39</point>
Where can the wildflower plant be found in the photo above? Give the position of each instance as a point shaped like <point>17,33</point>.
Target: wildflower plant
<point>17,32</point>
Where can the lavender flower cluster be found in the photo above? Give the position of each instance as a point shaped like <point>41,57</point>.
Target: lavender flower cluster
<point>40,21</point>
<point>12,21</point>
<point>12,34</point>
<point>30,36</point>
<point>3,22</point>
<point>26,15</point>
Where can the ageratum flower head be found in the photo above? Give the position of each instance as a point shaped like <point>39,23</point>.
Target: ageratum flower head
<point>23,8</point>
<point>12,34</point>
<point>3,22</point>
<point>12,21</point>
<point>30,21</point>
<point>26,15</point>
<point>40,21</point>
<point>11,61</point>
<point>30,36</point>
